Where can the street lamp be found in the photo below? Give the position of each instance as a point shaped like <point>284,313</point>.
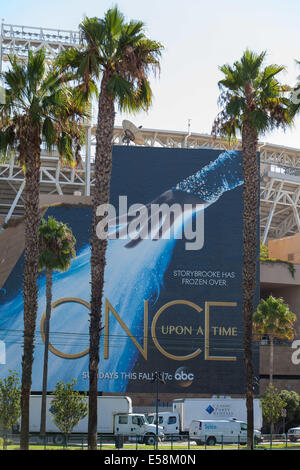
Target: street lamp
<point>158,377</point>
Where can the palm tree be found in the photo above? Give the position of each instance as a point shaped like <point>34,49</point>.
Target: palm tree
<point>274,319</point>
<point>253,102</point>
<point>38,107</point>
<point>57,248</point>
<point>121,56</point>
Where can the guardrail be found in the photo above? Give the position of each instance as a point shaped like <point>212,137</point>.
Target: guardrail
<point>171,442</point>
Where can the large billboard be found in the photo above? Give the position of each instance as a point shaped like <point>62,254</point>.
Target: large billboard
<point>173,280</point>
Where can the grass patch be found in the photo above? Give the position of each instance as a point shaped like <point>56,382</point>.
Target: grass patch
<point>161,447</point>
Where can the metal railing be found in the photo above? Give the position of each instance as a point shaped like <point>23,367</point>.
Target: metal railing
<point>170,442</point>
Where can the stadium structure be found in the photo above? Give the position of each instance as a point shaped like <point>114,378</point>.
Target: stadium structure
<point>279,184</point>
<point>280,166</point>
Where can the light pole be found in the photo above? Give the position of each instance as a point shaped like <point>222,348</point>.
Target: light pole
<point>283,414</point>
<point>158,377</point>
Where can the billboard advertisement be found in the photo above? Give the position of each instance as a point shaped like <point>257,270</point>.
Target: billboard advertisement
<point>173,281</point>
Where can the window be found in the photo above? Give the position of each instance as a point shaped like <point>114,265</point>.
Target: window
<point>135,420</point>
<point>123,419</point>
<point>243,427</point>
<point>153,421</point>
<point>172,420</point>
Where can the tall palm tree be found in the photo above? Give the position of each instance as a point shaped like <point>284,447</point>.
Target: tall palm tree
<point>274,319</point>
<point>119,55</point>
<point>57,248</point>
<point>38,106</point>
<point>253,102</point>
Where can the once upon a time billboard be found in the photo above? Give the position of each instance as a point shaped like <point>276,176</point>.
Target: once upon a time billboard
<point>173,281</point>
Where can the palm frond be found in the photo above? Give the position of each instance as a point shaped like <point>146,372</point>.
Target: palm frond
<point>120,47</point>
<point>57,245</point>
<point>269,107</point>
<point>37,96</point>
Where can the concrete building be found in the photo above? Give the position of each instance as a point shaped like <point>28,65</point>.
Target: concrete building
<point>276,279</point>
<point>286,249</point>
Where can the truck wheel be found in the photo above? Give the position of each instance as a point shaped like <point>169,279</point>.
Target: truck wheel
<point>150,440</point>
<point>210,441</point>
<point>198,443</point>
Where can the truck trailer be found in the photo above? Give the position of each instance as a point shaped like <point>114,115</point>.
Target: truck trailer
<point>185,410</point>
<point>115,418</point>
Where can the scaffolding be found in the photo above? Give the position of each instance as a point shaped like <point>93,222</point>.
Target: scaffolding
<point>17,40</point>
<point>279,165</point>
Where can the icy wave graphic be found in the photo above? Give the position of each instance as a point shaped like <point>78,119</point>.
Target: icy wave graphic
<point>131,276</point>
<point>219,176</point>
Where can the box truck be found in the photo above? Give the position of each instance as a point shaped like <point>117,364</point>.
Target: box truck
<point>115,418</point>
<point>185,410</point>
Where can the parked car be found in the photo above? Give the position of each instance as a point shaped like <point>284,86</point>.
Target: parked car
<point>294,434</point>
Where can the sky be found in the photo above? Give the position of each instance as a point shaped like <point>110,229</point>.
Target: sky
<point>199,36</point>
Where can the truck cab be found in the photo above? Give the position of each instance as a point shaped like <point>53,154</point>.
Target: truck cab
<point>136,426</point>
<point>169,421</point>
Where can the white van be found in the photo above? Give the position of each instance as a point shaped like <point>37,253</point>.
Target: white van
<point>211,432</point>
<point>294,434</point>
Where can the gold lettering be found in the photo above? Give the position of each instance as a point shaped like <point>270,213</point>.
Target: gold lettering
<point>222,331</point>
<point>166,329</point>
<point>208,357</point>
<point>109,308</point>
<point>55,351</point>
<point>226,332</point>
<point>179,330</point>
<point>156,317</point>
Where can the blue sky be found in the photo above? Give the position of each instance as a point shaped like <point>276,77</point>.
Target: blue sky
<point>198,36</point>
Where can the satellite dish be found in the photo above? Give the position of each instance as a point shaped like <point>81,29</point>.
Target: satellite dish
<point>132,133</point>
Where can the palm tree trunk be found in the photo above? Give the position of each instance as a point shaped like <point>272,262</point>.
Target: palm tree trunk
<point>30,291</point>
<point>102,172</point>
<point>250,226</point>
<point>46,350</point>
<point>271,339</point>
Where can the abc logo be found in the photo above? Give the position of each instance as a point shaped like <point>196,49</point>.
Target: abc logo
<point>184,377</point>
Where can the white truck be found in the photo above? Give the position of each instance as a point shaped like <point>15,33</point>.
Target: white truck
<point>211,432</point>
<point>115,418</point>
<point>185,410</point>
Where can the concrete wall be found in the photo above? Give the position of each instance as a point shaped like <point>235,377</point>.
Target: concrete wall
<point>12,238</point>
<point>278,281</point>
<point>11,248</point>
<point>287,248</point>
